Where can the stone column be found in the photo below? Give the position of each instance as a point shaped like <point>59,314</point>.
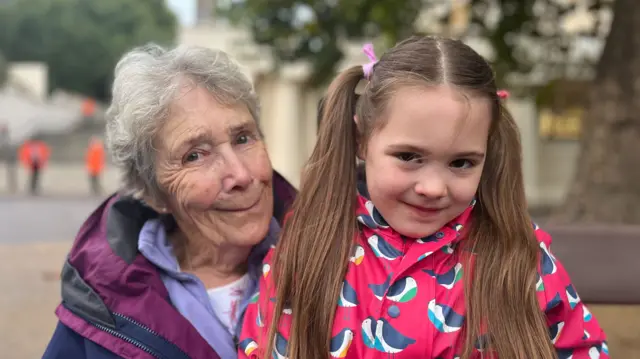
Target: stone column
<point>525,114</point>
<point>286,137</point>
<point>311,120</point>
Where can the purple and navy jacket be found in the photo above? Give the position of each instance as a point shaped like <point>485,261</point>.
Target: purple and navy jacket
<point>114,303</point>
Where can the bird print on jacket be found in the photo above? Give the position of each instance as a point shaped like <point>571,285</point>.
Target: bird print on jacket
<point>403,298</point>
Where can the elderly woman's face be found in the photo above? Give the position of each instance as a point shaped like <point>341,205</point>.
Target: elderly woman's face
<point>215,170</point>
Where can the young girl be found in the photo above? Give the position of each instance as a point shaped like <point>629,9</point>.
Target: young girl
<point>433,254</point>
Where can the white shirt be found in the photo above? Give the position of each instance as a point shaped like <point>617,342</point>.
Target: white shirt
<point>225,302</point>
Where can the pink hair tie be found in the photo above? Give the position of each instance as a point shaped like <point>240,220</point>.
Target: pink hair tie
<point>368,68</point>
<point>503,94</point>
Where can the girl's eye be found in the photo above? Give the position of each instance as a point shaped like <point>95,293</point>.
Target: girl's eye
<point>192,157</point>
<point>407,156</point>
<point>461,164</point>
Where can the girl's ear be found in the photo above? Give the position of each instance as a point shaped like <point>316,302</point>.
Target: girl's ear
<point>359,143</point>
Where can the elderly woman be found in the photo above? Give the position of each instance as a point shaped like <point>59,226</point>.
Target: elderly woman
<point>166,268</point>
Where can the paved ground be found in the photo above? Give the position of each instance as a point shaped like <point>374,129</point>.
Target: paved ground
<point>28,220</point>
<point>30,294</point>
<point>35,235</point>
<point>62,180</point>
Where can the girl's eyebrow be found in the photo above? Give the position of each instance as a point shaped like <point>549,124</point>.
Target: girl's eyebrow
<point>418,149</point>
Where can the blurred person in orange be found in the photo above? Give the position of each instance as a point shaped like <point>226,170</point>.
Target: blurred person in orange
<point>95,159</point>
<point>34,155</point>
<point>88,109</point>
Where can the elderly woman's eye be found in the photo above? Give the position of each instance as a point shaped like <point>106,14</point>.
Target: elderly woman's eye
<point>243,139</point>
<point>191,157</point>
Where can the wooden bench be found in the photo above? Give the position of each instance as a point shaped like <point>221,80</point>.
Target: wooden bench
<point>604,265</point>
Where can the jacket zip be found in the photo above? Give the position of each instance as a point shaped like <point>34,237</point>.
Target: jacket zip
<point>176,352</point>
<point>131,341</point>
<point>161,349</point>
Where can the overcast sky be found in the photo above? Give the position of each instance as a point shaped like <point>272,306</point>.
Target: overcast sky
<point>185,10</point>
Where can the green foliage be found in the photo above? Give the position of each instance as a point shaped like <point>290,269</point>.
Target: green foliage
<point>312,30</point>
<point>81,40</point>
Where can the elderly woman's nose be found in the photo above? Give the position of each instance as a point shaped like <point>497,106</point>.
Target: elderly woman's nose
<point>237,175</point>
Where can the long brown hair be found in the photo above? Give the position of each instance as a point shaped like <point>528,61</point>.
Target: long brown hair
<point>313,253</point>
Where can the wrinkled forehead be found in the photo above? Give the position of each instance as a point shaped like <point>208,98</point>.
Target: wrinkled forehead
<point>196,116</point>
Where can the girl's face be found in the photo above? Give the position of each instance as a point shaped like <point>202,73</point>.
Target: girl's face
<point>423,166</point>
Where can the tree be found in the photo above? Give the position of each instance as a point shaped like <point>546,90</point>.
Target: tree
<point>313,30</point>
<point>525,35</point>
<point>607,183</point>
<point>528,37</point>
<point>81,40</point>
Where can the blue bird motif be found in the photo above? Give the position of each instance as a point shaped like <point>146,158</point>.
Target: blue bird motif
<point>572,295</point>
<point>259,321</point>
<point>586,314</point>
<point>565,353</point>
<point>539,283</point>
<point>555,330</point>
<point>425,255</point>
<point>374,219</point>
<point>448,279</point>
<point>254,298</point>
<point>554,302</point>
<point>391,340</point>
<point>448,249</point>
<point>377,217</point>
<point>248,346</point>
<point>340,343</point>
<point>595,351</point>
<point>547,260</point>
<point>369,333</point>
<point>367,221</point>
<point>348,296</point>
<point>280,350</point>
<point>403,290</point>
<point>444,318</point>
<point>380,289</point>
<point>428,239</point>
<point>382,248</point>
<point>358,255</point>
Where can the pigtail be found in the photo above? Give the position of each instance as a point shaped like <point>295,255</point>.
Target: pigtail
<point>308,273</point>
<point>502,284</point>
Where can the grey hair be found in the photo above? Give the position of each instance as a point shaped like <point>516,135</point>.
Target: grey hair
<point>147,81</point>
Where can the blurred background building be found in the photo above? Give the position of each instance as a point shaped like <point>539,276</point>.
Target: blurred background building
<point>36,232</point>
<point>288,109</point>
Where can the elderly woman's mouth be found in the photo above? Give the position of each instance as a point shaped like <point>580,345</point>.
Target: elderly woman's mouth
<point>241,208</point>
